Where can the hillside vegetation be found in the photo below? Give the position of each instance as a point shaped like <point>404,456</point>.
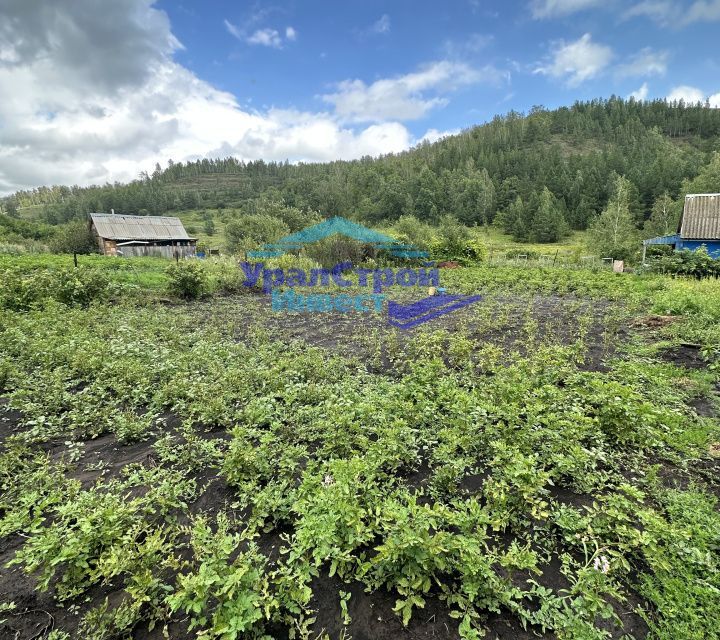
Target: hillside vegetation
<point>537,177</point>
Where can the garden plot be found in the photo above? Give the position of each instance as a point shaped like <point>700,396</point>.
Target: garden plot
<point>510,323</point>
<point>528,467</point>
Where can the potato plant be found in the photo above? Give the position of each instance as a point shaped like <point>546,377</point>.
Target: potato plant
<point>205,468</point>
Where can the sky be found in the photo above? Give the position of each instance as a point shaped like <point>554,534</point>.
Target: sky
<point>95,91</point>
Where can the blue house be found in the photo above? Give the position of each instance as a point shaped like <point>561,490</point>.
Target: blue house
<point>699,226</point>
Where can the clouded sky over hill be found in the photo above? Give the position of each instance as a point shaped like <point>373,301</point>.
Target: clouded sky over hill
<point>94,91</point>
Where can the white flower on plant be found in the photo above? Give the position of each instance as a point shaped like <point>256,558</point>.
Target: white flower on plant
<point>602,564</point>
<point>328,480</point>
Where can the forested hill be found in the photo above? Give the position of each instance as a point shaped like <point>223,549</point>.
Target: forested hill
<point>536,174</point>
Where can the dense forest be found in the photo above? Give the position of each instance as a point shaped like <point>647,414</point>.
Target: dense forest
<point>536,175</point>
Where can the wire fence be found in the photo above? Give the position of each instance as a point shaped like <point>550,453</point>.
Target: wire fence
<point>566,260</point>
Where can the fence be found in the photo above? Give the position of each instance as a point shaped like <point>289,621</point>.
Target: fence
<point>567,260</point>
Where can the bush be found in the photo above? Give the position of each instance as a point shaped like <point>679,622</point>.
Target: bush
<point>412,231</point>
<point>79,287</point>
<point>696,264</point>
<point>336,249</point>
<point>225,275</point>
<point>187,280</point>
<point>251,231</point>
<point>22,291</point>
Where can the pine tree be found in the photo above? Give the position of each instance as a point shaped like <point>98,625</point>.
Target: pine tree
<point>509,218</point>
<point>548,223</point>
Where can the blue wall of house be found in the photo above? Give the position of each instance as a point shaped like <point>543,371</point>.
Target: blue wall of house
<point>713,246</point>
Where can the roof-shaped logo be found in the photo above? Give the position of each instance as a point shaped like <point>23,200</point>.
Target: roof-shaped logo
<point>338,226</point>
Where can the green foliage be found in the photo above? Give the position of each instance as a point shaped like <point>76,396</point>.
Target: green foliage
<point>664,217</point>
<point>475,175</point>
<point>92,531</point>
<point>251,231</point>
<point>410,230</point>
<point>451,240</point>
<point>272,205</point>
<point>336,249</point>
<point>24,290</point>
<point>225,599</point>
<point>613,233</point>
<point>548,223</point>
<point>74,237</point>
<point>486,467</point>
<point>695,264</point>
<point>187,280</point>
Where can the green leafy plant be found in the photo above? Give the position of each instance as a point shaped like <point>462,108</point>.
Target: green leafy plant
<point>187,280</point>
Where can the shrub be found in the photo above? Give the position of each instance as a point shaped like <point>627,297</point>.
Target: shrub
<point>225,275</point>
<point>696,264</point>
<point>411,230</point>
<point>79,287</point>
<point>250,231</point>
<point>72,287</point>
<point>452,241</point>
<point>187,280</point>
<point>336,249</point>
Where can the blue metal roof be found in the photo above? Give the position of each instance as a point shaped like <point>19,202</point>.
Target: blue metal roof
<point>674,239</point>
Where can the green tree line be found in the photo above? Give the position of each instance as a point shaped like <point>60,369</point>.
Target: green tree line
<point>537,175</point>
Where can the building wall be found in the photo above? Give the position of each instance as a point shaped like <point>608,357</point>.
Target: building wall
<point>184,248</point>
<point>157,251</point>
<point>713,246</point>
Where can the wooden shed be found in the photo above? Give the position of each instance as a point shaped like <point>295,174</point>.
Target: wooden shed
<point>699,226</point>
<point>129,236</point>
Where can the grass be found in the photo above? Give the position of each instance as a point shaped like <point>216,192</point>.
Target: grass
<point>499,243</point>
<point>146,273</point>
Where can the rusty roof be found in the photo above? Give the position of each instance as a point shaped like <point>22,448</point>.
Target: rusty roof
<point>701,217</point>
<point>117,227</point>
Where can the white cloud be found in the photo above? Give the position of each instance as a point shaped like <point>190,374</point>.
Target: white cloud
<point>644,63</point>
<point>382,25</point>
<point>233,30</point>
<point>406,97</point>
<point>690,95</point>
<point>577,61</point>
<point>554,8</point>
<point>641,93</point>
<point>266,38</point>
<point>714,100</point>
<point>674,13</point>
<point>703,11</point>
<point>657,10</point>
<point>433,135</point>
<point>90,97</point>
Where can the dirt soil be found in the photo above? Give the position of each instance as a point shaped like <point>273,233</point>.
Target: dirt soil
<point>685,355</point>
<point>496,320</point>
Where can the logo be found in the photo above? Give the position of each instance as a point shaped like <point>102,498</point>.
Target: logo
<point>406,316</point>
<point>343,227</point>
<point>403,316</point>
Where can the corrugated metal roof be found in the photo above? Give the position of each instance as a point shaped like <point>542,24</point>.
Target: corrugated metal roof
<point>701,217</point>
<point>116,227</point>
<point>673,239</point>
